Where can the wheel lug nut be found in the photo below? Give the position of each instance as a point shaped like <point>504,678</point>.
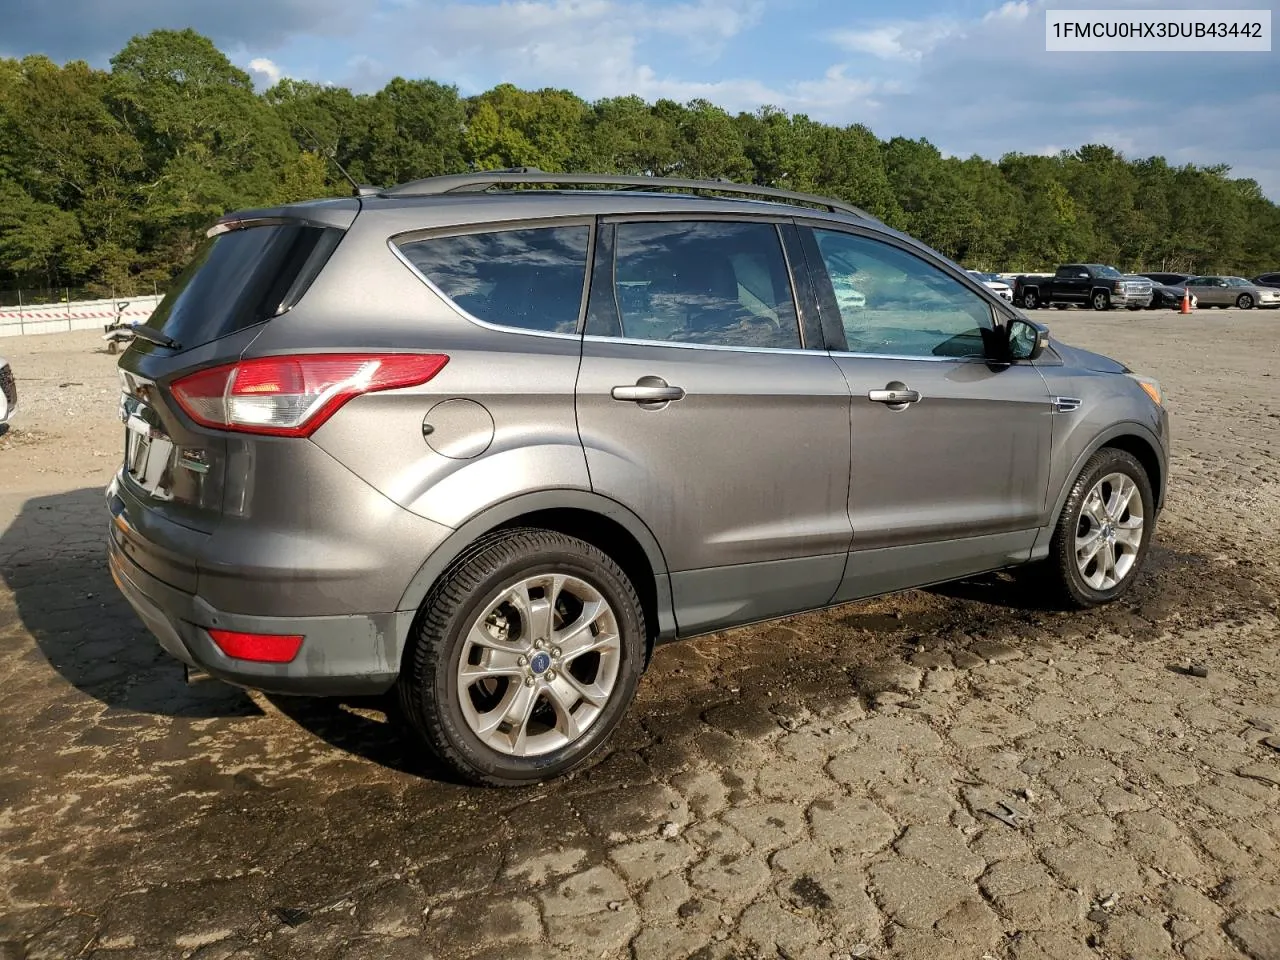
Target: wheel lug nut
<point>522,660</point>
<point>551,674</point>
<point>555,652</point>
<point>528,681</point>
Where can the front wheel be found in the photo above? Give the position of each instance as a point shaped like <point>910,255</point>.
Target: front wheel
<point>1102,300</point>
<point>1030,300</point>
<point>1102,537</point>
<point>525,658</point>
<point>1244,301</point>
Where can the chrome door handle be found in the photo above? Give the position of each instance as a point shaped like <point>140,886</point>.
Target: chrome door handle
<point>900,395</point>
<point>647,393</point>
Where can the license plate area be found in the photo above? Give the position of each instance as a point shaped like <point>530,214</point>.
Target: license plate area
<point>148,451</point>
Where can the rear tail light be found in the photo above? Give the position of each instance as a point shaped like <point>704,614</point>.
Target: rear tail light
<point>260,647</point>
<point>292,396</point>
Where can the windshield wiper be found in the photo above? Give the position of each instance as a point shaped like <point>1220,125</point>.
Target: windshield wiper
<point>156,337</point>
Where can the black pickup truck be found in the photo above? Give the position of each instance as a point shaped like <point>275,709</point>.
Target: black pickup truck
<point>1086,284</point>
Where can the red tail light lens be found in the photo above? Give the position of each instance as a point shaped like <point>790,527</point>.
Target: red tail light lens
<point>292,396</point>
<point>260,647</point>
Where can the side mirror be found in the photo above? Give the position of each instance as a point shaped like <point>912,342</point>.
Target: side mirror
<point>1027,339</point>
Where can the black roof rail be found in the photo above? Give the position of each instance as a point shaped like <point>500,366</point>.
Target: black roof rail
<point>483,180</point>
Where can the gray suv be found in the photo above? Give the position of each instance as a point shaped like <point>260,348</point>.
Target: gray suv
<point>486,446</point>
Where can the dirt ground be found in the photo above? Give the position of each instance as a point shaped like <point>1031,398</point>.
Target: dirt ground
<point>820,787</point>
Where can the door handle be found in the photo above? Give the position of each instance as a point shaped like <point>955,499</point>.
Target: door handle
<point>646,391</point>
<point>894,395</point>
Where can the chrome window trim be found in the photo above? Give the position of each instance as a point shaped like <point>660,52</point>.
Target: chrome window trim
<point>798,351</point>
<point>894,356</point>
<point>472,318</point>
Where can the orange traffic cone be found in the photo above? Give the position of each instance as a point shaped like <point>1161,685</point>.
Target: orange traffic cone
<point>1186,300</point>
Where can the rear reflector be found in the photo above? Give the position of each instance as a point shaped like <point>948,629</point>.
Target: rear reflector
<point>262,647</point>
<point>292,396</point>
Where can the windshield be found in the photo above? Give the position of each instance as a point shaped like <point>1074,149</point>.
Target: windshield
<point>1110,273</point>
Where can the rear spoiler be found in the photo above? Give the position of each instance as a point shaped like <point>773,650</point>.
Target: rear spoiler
<point>339,212</point>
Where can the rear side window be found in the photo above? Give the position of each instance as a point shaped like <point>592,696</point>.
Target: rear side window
<point>531,278</point>
<point>241,278</point>
<point>718,283</point>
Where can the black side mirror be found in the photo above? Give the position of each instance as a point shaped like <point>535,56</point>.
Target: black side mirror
<point>1027,339</point>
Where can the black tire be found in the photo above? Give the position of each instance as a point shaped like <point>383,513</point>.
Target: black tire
<point>111,347</point>
<point>428,686</point>
<point>1062,574</point>
<point>1101,300</point>
<point>1030,299</point>
<point>1244,301</point>
<point>1061,306</point>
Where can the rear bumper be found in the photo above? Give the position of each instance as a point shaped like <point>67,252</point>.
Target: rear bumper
<point>341,655</point>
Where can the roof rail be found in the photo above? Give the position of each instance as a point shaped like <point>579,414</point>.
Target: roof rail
<point>486,179</point>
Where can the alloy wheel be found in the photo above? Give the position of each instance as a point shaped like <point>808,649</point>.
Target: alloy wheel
<point>1109,531</point>
<point>538,665</point>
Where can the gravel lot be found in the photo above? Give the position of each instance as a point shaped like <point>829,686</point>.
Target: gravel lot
<point>814,788</point>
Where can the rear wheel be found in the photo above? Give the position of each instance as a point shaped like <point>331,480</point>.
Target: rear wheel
<point>1102,537</point>
<point>1244,301</point>
<point>525,658</point>
<point>1101,300</point>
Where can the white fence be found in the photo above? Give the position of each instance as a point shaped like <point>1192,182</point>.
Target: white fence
<point>79,315</point>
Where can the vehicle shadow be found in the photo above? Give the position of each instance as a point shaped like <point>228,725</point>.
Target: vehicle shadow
<point>53,561</point>
<point>1026,588</point>
<point>369,727</point>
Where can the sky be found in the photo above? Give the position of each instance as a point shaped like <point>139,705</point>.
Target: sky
<point>972,76</point>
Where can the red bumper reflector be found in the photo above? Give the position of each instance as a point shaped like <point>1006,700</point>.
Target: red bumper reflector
<point>260,647</point>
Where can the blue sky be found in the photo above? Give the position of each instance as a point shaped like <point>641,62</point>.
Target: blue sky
<point>970,75</point>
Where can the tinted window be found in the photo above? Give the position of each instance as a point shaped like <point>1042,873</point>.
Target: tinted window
<point>714,282</point>
<point>241,278</point>
<point>531,278</point>
<point>1110,273</point>
<point>892,302</point>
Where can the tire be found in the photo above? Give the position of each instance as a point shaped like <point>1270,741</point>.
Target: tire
<point>1101,300</point>
<point>1086,585</point>
<point>111,347</point>
<point>445,713</point>
<point>1061,306</point>
<point>1244,301</point>
<point>1030,299</point>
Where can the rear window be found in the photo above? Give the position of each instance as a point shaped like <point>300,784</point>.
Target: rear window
<point>531,278</point>
<point>242,278</point>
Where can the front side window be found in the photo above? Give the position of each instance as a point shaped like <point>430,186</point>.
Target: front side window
<point>717,283</point>
<point>892,302</point>
<point>529,278</point>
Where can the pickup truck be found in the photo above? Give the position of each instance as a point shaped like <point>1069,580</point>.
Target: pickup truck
<point>1086,284</point>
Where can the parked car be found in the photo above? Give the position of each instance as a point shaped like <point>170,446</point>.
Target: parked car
<point>8,392</point>
<point>994,284</point>
<point>1084,284</point>
<point>1165,297</point>
<point>1168,279</point>
<point>1232,292</point>
<point>1267,280</point>
<point>485,446</point>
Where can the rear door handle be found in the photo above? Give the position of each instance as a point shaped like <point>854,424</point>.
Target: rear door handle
<point>647,393</point>
<point>893,396</point>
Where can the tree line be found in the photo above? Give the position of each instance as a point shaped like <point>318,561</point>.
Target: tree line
<point>109,178</point>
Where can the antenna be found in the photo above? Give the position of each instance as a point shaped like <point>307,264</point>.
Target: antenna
<point>359,190</point>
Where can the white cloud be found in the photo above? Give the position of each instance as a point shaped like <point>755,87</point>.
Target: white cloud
<point>265,71</point>
<point>910,41</point>
<point>1015,10</point>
